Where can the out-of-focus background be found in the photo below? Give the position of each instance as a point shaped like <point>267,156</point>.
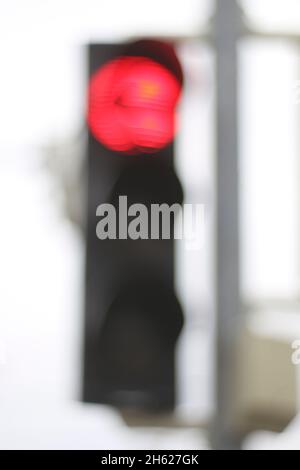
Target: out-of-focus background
<point>42,144</point>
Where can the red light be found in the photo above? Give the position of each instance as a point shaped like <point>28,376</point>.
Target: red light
<point>131,105</point>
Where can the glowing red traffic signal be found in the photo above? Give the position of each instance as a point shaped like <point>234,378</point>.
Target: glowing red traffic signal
<point>132,315</point>
<point>131,104</point>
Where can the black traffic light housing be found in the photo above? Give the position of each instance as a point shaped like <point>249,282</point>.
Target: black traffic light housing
<point>132,316</point>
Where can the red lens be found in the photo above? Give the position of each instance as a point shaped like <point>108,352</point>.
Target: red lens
<point>131,105</point>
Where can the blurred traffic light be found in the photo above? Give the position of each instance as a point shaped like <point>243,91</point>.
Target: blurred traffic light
<point>132,316</point>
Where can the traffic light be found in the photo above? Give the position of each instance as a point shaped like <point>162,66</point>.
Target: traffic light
<point>132,316</point>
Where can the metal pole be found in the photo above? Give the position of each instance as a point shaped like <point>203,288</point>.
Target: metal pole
<point>227,25</point>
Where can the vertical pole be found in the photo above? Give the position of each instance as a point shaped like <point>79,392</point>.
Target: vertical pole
<point>226,31</point>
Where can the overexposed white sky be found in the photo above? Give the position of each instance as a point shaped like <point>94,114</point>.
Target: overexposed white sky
<point>273,14</point>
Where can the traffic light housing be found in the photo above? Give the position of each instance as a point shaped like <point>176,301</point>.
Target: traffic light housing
<point>132,315</point>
